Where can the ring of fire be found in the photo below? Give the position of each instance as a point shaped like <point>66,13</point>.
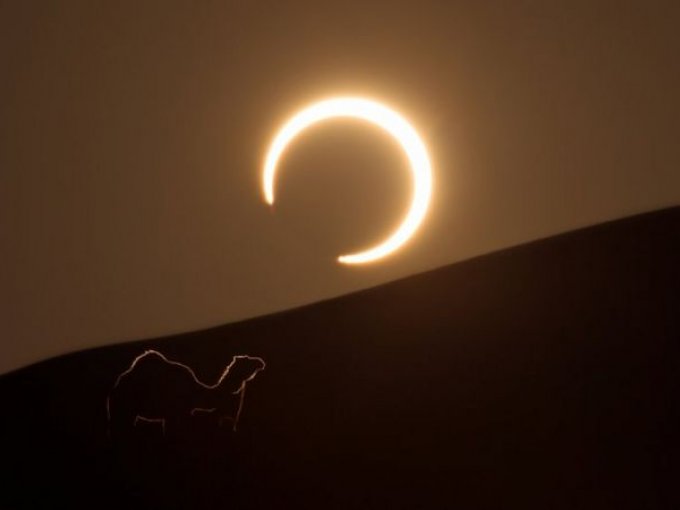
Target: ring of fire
<point>391,122</point>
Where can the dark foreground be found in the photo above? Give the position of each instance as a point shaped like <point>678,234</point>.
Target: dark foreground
<point>545,376</point>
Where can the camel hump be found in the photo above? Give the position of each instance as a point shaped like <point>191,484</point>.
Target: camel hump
<point>152,363</point>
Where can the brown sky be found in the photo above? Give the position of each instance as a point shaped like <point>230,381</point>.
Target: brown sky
<point>131,141</point>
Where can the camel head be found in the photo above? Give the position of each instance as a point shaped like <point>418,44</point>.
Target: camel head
<point>241,371</point>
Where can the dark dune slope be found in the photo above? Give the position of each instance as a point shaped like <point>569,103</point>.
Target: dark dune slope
<point>544,376</point>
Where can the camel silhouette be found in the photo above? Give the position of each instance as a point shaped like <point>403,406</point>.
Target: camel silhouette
<point>155,389</point>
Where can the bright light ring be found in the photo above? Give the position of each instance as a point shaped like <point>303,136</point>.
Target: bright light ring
<point>395,125</point>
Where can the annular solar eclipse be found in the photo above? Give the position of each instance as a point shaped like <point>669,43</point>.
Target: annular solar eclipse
<point>391,122</point>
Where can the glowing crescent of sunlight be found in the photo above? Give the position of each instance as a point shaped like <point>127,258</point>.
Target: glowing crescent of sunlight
<point>395,125</point>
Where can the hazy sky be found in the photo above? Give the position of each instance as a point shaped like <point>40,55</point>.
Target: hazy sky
<point>132,136</point>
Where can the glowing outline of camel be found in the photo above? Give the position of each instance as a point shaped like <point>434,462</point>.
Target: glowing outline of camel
<point>241,391</point>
